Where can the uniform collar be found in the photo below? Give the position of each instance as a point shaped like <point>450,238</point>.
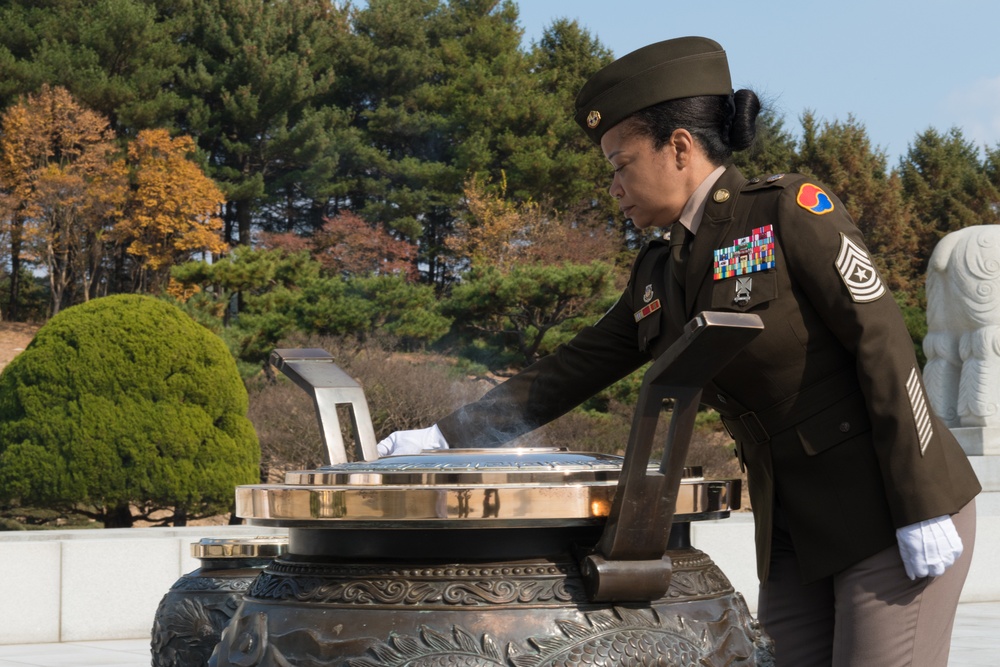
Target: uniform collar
<point>694,209</point>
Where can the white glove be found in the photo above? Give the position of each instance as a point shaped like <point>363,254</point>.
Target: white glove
<point>412,442</point>
<point>930,547</point>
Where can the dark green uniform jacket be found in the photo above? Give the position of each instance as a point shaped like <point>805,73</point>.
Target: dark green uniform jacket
<point>827,405</point>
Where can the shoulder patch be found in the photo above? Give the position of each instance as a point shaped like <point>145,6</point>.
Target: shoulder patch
<point>812,198</point>
<point>858,272</point>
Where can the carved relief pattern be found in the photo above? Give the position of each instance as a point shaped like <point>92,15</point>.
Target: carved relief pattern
<point>694,576</point>
<point>617,637</point>
<point>448,586</point>
<point>963,311</point>
<point>942,374</point>
<point>976,269</point>
<point>534,584</point>
<point>193,584</point>
<point>977,393</point>
<point>187,627</point>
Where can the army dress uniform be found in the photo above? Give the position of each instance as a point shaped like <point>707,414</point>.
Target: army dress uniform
<point>827,406</point>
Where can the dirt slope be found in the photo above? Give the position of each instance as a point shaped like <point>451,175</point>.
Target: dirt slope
<point>14,337</point>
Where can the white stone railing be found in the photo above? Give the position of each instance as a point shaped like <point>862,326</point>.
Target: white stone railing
<point>83,585</point>
<point>80,585</point>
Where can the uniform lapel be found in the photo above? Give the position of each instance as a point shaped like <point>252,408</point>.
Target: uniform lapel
<point>675,315</point>
<point>679,238</point>
<point>716,225</point>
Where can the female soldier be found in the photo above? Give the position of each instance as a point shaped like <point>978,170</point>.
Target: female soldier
<point>862,499</point>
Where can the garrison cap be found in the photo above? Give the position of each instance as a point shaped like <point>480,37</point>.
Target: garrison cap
<point>669,70</point>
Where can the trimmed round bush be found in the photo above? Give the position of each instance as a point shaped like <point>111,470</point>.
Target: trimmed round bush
<point>125,400</point>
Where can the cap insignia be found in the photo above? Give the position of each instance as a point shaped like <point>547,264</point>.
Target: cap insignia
<point>593,119</point>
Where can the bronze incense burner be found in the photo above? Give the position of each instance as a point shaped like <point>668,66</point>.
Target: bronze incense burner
<point>502,557</point>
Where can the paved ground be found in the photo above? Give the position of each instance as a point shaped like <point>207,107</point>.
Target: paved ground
<point>976,643</point>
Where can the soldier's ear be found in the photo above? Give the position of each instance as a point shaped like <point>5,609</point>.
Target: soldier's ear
<point>683,146</point>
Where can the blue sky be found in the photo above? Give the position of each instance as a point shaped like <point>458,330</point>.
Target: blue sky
<point>899,66</point>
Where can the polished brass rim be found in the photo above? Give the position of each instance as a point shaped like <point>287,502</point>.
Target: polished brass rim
<point>501,487</point>
<point>495,506</point>
<point>246,547</point>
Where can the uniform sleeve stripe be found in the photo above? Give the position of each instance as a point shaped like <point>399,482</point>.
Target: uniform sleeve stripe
<point>921,414</point>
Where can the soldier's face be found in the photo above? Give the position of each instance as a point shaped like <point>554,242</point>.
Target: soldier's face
<point>649,184</point>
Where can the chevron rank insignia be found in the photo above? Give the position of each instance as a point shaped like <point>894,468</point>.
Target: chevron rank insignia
<point>858,272</point>
<point>921,414</point>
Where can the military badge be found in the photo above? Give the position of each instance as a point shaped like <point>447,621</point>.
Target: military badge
<point>743,286</point>
<point>721,195</point>
<point>858,272</point>
<point>646,311</point>
<point>647,296</point>
<point>593,119</point>
<point>746,255</point>
<point>813,199</point>
<point>921,414</point>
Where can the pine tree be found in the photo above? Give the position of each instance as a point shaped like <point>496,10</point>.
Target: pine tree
<point>949,186</point>
<point>253,80</point>
<point>840,154</point>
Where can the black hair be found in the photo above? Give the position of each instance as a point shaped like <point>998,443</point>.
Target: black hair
<point>722,124</point>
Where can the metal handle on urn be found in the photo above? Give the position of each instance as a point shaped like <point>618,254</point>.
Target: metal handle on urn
<point>314,370</point>
<point>628,562</point>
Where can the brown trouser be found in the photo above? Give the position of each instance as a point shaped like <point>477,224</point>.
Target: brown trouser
<point>869,615</point>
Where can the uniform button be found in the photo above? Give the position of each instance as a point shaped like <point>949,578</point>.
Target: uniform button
<point>845,427</point>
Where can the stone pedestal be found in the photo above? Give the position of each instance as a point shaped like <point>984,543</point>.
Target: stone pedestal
<point>982,446</point>
<point>978,441</point>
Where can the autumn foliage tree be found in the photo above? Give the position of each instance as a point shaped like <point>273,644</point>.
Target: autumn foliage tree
<point>533,275</point>
<point>172,209</point>
<point>347,245</point>
<point>73,204</point>
<point>62,182</point>
<point>496,231</point>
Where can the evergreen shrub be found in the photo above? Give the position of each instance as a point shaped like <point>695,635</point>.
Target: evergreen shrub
<point>125,401</point>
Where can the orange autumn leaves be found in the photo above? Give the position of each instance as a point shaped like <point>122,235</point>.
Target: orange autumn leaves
<point>171,213</point>
<point>72,202</point>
